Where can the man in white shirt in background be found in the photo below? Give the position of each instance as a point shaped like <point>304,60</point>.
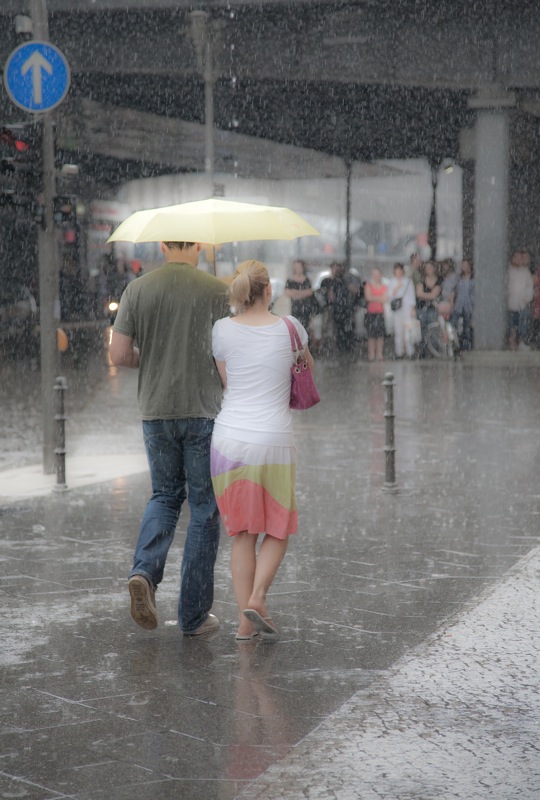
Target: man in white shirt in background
<point>520,294</point>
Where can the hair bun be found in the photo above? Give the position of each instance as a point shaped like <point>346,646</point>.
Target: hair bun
<point>250,281</point>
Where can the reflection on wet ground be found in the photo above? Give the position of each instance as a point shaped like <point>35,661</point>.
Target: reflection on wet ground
<point>94,707</point>
<point>85,368</point>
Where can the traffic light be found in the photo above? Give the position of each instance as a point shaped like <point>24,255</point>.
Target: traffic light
<point>19,167</point>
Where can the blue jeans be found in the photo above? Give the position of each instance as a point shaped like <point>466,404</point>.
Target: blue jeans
<point>520,321</point>
<point>178,452</point>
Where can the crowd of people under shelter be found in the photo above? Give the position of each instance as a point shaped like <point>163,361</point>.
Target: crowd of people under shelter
<point>345,310</point>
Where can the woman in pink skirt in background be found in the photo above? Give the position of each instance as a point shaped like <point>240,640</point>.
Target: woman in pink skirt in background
<point>253,456</point>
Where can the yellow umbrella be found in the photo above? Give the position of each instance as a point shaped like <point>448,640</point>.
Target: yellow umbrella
<point>212,221</point>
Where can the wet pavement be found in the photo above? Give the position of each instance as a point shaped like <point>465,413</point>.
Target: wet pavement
<point>407,662</point>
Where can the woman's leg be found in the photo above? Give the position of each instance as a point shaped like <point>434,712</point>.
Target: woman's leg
<point>243,564</point>
<point>399,333</point>
<point>426,317</point>
<point>511,330</point>
<point>269,558</point>
<point>410,344</point>
<point>371,349</point>
<point>379,347</point>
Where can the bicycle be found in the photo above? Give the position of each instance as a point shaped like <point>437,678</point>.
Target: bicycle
<point>442,338</point>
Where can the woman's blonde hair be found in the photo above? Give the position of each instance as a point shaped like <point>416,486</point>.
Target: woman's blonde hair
<point>249,284</point>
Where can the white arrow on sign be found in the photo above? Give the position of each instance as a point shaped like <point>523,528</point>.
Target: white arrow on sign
<point>36,63</point>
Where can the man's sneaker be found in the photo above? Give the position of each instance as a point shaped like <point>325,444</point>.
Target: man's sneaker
<point>143,604</point>
<point>210,624</point>
<point>523,346</point>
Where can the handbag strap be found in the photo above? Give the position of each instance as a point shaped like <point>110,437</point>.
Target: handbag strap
<point>401,296</point>
<point>296,344</point>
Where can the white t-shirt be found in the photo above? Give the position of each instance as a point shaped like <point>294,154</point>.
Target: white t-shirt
<point>258,362</point>
<point>405,291</point>
<point>520,288</point>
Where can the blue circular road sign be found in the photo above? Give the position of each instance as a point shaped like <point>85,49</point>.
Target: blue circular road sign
<point>36,76</point>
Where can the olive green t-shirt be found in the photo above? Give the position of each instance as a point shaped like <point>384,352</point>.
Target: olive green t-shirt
<point>170,313</point>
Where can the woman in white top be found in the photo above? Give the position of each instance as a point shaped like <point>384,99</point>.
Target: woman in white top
<point>253,456</point>
<point>402,287</point>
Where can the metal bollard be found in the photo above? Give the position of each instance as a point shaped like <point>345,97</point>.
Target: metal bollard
<point>60,386</point>
<point>390,484</point>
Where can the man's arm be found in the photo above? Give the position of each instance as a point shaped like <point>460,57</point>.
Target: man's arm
<point>222,373</point>
<point>298,294</point>
<point>122,351</point>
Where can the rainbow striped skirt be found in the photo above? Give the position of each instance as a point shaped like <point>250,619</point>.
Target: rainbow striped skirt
<point>254,486</point>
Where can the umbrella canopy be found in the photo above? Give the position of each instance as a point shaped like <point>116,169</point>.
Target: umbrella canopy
<point>212,222</point>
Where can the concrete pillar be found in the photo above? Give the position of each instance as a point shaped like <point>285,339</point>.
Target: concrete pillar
<point>491,219</point>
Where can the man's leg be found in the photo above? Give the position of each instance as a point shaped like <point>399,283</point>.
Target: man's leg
<point>467,331</point>
<point>523,325</point>
<point>202,540</point>
<point>511,329</point>
<point>164,450</point>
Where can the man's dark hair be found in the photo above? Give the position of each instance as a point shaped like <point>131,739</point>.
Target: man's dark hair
<point>178,245</point>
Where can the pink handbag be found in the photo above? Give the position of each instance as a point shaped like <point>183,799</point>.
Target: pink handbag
<point>304,393</point>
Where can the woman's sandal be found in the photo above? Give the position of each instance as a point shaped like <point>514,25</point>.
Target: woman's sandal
<point>261,624</point>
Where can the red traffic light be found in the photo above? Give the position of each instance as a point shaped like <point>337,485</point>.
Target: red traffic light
<point>10,139</point>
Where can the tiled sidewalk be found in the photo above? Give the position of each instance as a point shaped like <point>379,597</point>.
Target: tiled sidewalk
<point>389,680</point>
<point>456,719</point>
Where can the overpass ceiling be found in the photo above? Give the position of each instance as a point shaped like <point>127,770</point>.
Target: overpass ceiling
<point>365,80</point>
<point>130,136</point>
<point>356,122</point>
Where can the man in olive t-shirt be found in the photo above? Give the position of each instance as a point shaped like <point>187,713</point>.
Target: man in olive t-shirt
<point>164,328</point>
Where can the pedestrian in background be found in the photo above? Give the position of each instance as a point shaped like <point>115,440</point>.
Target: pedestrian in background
<point>298,289</point>
<point>449,278</point>
<point>253,451</point>
<point>376,294</point>
<point>464,305</point>
<point>520,289</point>
<point>535,309</point>
<point>342,290</point>
<point>401,288</point>
<point>428,292</point>
<point>164,327</point>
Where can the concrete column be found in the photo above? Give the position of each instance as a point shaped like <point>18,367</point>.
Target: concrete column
<point>491,226</point>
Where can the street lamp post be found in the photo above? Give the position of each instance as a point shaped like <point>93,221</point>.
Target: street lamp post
<point>348,165</point>
<point>432,225</point>
<point>205,35</point>
<point>447,167</point>
<point>209,114</point>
